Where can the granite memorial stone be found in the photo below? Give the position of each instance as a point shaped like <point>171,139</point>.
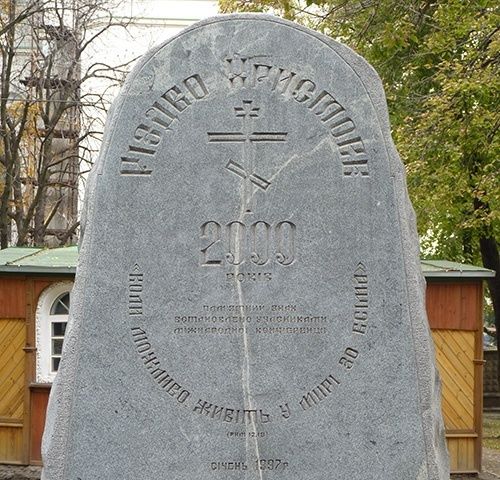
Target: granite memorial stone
<point>249,302</point>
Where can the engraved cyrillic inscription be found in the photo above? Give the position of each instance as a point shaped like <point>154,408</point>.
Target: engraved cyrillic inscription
<point>270,464</point>
<point>350,355</point>
<point>319,392</point>
<point>256,319</point>
<point>236,243</point>
<point>231,466</point>
<point>156,122</point>
<point>249,277</point>
<point>246,434</point>
<point>360,322</point>
<point>135,286</point>
<point>250,313</point>
<point>260,235</point>
<point>285,411</point>
<point>211,234</point>
<point>292,319</point>
<point>292,330</point>
<point>250,72</point>
<point>257,330</point>
<point>275,464</point>
<point>325,388</point>
<point>285,239</point>
<point>234,308</point>
<point>247,136</point>
<point>231,415</point>
<point>152,364</point>
<point>236,69</point>
<point>209,331</point>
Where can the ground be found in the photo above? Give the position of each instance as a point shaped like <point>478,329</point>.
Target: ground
<point>491,464</point>
<point>491,445</point>
<point>491,430</point>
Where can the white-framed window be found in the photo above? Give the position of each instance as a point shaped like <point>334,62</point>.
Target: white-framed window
<point>51,320</point>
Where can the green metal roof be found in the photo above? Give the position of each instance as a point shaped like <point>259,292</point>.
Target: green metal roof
<point>12,254</point>
<point>64,260</point>
<point>39,260</point>
<point>445,269</point>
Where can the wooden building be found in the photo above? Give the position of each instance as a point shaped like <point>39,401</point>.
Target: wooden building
<point>34,303</point>
<point>34,286</point>
<point>455,310</point>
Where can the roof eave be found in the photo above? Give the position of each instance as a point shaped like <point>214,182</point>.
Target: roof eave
<point>36,269</point>
<point>458,274</point>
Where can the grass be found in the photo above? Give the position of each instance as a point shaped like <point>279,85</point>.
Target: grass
<point>491,430</point>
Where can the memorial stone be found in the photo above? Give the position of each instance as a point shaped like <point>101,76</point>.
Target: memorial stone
<point>249,302</point>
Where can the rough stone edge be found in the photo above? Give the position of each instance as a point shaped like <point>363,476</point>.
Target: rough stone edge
<point>58,419</point>
<point>428,376</point>
<point>57,429</point>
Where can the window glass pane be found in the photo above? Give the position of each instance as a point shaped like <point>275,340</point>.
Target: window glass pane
<point>55,363</point>
<point>57,346</point>
<point>61,305</point>
<point>58,329</point>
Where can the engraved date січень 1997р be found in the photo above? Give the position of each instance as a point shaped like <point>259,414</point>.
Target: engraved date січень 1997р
<point>261,464</point>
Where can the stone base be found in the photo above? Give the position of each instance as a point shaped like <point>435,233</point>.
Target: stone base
<point>17,472</point>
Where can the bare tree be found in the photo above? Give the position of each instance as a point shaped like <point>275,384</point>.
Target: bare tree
<point>45,120</point>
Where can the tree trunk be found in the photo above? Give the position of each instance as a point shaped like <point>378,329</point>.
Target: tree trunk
<point>39,221</point>
<point>4,218</point>
<point>4,210</point>
<point>491,260</point>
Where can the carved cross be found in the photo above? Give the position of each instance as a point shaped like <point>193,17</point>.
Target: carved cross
<point>247,137</point>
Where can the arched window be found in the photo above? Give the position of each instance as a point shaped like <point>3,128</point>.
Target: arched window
<point>52,316</point>
<point>59,312</point>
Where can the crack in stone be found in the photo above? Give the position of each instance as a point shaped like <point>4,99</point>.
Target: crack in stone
<point>294,157</point>
<point>245,370</point>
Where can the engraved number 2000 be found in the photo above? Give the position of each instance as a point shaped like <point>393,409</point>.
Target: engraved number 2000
<point>257,243</point>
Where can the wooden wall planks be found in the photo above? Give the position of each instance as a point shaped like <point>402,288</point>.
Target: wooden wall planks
<point>12,383</point>
<point>12,297</point>
<point>453,306</point>
<point>12,340</point>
